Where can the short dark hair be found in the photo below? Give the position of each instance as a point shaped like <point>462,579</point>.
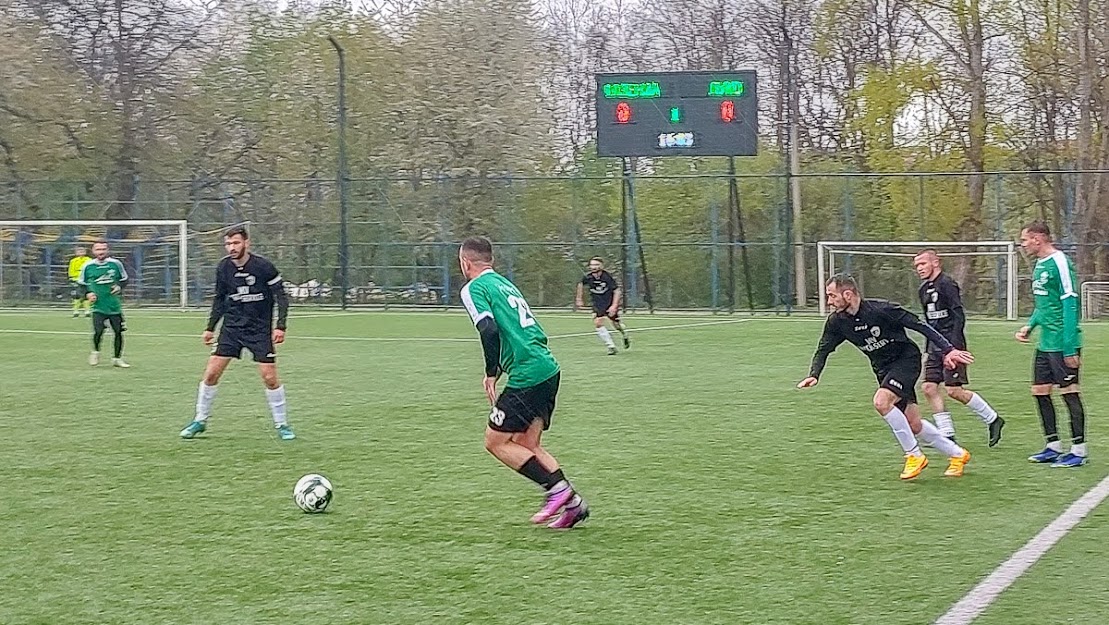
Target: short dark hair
<point>598,259</point>
<point>99,241</point>
<point>1039,227</point>
<point>844,282</point>
<point>928,250</point>
<point>239,230</point>
<point>478,248</point>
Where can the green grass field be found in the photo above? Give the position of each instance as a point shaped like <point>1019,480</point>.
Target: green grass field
<point>720,494</point>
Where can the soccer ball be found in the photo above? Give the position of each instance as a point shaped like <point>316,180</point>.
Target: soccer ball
<point>312,493</point>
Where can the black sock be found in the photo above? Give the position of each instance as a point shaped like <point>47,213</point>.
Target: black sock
<point>1077,417</point>
<point>556,477</point>
<point>1047,418</point>
<point>535,471</point>
<point>118,344</point>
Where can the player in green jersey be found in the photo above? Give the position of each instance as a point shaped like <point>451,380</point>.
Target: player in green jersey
<point>101,282</point>
<point>1057,358</point>
<point>515,345</point>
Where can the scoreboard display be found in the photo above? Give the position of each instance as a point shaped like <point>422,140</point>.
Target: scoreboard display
<point>677,114</point>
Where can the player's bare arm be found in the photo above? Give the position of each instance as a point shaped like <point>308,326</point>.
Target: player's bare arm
<point>578,302</point>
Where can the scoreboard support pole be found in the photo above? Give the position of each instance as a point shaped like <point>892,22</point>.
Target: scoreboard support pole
<point>734,209</point>
<point>633,259</point>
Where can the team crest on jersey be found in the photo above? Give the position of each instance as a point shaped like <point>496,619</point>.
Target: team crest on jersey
<point>250,280</point>
<point>1039,284</point>
<point>935,296</point>
<point>875,331</point>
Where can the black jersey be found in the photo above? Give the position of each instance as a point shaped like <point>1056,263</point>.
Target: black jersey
<point>943,310</point>
<point>245,296</point>
<point>601,287</point>
<point>878,330</point>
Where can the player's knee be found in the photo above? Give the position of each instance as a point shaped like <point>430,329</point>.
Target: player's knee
<point>958,393</point>
<point>493,441</point>
<point>598,322</point>
<point>883,402</point>
<point>932,389</point>
<point>269,378</point>
<point>1041,389</point>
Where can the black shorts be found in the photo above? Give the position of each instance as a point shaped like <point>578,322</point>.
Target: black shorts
<point>900,376</point>
<point>936,373</point>
<point>517,408</point>
<point>602,311</point>
<point>101,320</point>
<point>232,341</point>
<point>1049,368</point>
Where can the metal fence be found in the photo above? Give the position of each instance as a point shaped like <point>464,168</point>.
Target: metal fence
<point>683,245</point>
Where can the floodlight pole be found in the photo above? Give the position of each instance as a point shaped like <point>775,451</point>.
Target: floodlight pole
<point>343,176</point>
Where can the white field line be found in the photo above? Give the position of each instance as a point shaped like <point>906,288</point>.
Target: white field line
<point>987,591</point>
<point>376,339</point>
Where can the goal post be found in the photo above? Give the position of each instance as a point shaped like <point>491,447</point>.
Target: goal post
<point>33,253</point>
<point>894,259</point>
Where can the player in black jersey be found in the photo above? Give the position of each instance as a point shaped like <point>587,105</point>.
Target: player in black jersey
<point>605,293</point>
<point>943,310</point>
<point>247,288</point>
<point>877,328</point>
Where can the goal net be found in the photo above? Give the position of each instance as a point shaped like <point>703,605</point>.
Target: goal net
<point>986,271</point>
<point>35,255</point>
<point>1095,300</point>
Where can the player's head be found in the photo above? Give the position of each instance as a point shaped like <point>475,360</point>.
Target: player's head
<point>79,250</point>
<point>1035,238</point>
<point>927,264</point>
<point>842,292</point>
<point>596,264</point>
<point>475,255</point>
<point>100,249</point>
<point>236,241</point>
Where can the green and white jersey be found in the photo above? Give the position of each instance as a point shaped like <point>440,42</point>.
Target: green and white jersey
<point>1057,310</point>
<point>525,357</point>
<point>99,276</point>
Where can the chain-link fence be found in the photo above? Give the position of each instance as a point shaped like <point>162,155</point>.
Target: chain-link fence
<point>678,242</point>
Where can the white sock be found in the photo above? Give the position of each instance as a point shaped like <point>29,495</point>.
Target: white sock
<point>944,423</point>
<point>931,434</point>
<point>605,336</point>
<point>204,398</point>
<point>1078,449</point>
<point>1055,446</point>
<point>276,398</point>
<point>900,426</point>
<point>982,409</point>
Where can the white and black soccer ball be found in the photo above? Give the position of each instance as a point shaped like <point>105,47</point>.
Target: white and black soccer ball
<point>313,493</point>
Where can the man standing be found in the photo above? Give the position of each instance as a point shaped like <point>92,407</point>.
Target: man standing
<point>877,328</point>
<point>943,310</point>
<point>247,288</point>
<point>514,343</point>
<point>1057,359</point>
<point>101,282</point>
<point>78,261</point>
<point>605,295</point>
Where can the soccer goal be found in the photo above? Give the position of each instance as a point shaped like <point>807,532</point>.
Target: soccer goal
<point>1095,300</point>
<point>34,259</point>
<point>885,269</point>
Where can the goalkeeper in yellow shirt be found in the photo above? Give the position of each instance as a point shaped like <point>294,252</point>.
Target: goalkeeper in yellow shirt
<point>80,257</point>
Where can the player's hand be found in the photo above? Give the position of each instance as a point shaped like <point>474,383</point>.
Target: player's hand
<point>957,357</point>
<point>808,382</point>
<point>1022,334</point>
<point>91,297</point>
<point>490,384</point>
<point>612,312</point>
<point>208,337</point>
<point>115,290</point>
<point>1072,361</point>
<point>278,336</point>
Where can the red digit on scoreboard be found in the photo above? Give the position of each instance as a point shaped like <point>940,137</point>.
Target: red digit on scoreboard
<point>623,113</point>
<point>727,110</point>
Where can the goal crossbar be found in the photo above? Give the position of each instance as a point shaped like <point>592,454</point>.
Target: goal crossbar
<point>827,250</point>
<point>182,238</point>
